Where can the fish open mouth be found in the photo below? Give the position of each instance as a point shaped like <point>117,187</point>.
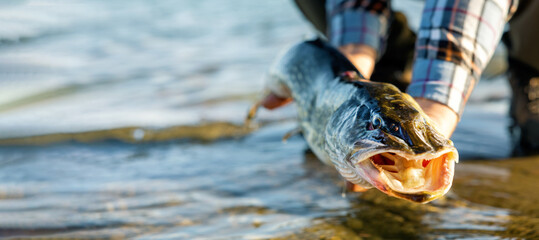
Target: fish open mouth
<point>419,178</point>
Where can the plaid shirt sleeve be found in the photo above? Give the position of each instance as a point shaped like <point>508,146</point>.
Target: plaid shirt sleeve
<point>456,39</point>
<point>358,22</point>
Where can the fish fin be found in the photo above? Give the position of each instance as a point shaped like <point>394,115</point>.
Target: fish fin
<point>272,101</point>
<point>291,133</point>
<point>352,76</point>
<point>354,187</point>
<point>252,113</point>
<point>269,101</point>
<point>344,189</point>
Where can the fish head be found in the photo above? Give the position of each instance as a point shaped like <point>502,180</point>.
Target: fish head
<point>386,141</point>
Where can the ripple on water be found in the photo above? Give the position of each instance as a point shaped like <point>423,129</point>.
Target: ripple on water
<point>232,189</point>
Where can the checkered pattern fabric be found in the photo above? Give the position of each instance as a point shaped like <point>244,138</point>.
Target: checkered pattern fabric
<point>358,22</point>
<point>455,41</point>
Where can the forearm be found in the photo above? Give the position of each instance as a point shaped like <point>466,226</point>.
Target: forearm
<point>455,43</point>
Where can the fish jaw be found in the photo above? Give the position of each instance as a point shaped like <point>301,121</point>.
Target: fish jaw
<point>417,178</point>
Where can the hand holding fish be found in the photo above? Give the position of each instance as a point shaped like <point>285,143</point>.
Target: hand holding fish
<point>363,57</point>
<point>373,134</point>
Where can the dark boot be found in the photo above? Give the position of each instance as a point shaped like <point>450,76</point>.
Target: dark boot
<point>524,109</point>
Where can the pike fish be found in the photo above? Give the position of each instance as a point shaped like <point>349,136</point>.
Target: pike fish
<point>371,132</point>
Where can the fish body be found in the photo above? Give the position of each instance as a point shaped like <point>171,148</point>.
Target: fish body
<point>374,135</point>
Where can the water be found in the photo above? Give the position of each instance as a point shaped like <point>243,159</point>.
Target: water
<point>123,120</point>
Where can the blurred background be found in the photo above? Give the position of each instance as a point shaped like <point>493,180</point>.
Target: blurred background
<point>123,119</point>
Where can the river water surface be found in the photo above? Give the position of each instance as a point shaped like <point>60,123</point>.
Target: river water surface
<point>123,119</point>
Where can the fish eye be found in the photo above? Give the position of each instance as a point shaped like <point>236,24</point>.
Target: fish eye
<point>376,123</point>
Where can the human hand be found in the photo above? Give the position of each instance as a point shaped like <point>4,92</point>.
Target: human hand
<point>362,56</point>
<point>445,119</point>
